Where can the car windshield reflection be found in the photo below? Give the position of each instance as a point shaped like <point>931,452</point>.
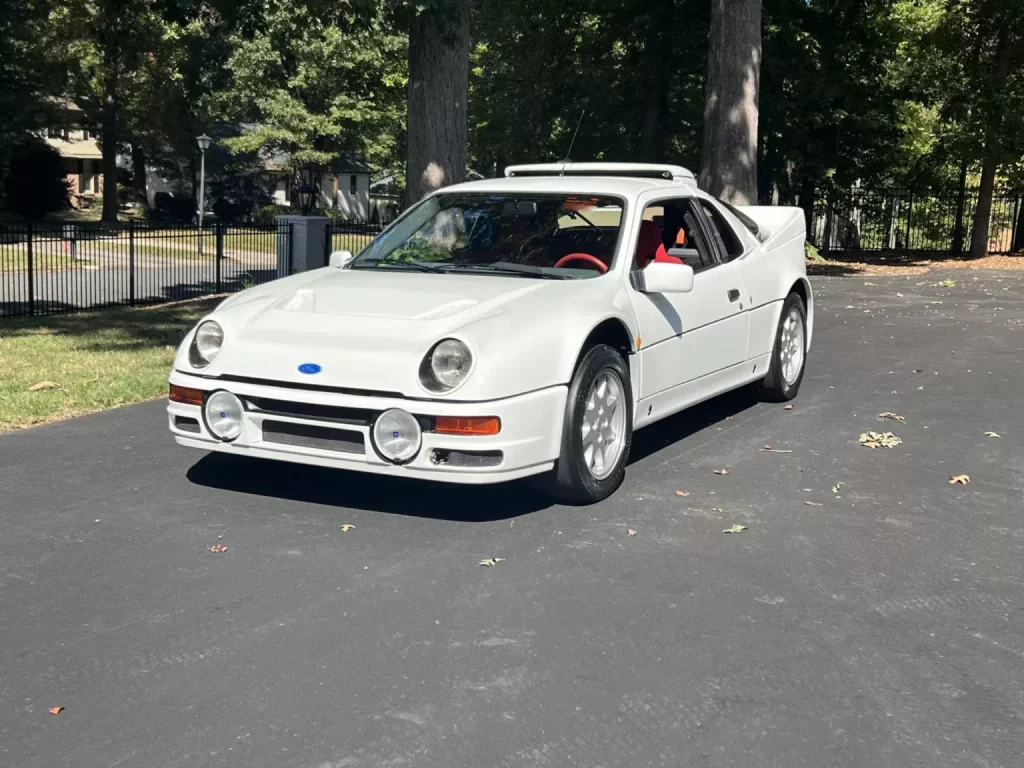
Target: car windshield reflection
<point>544,236</point>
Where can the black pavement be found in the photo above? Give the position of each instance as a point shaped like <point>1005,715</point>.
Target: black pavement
<point>882,628</point>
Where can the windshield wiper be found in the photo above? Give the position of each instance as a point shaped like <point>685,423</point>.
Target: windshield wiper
<point>422,266</point>
<point>519,270</point>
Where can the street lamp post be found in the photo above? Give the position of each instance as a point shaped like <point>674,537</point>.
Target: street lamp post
<point>204,142</point>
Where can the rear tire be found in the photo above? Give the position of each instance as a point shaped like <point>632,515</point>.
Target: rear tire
<point>597,431</point>
<point>789,355</point>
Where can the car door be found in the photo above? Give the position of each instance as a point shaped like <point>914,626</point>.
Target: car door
<point>686,337</point>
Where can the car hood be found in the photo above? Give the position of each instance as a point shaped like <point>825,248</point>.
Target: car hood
<point>370,331</point>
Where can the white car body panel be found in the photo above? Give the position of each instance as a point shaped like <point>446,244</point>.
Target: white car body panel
<point>369,333</point>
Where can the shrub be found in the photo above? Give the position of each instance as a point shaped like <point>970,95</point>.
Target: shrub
<point>174,208</point>
<point>36,183</point>
<point>265,214</point>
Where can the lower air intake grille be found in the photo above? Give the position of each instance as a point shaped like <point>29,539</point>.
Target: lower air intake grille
<point>185,424</point>
<point>310,436</point>
<point>467,458</point>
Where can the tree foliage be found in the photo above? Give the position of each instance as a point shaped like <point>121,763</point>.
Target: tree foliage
<point>897,92</point>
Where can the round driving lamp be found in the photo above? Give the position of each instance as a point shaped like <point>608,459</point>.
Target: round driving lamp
<point>397,436</point>
<point>224,413</point>
<point>206,345</point>
<point>446,366</point>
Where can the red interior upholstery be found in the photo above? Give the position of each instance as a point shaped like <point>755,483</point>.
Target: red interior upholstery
<point>649,245</point>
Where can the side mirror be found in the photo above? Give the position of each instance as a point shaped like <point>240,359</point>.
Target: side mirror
<point>340,258</point>
<point>662,277</point>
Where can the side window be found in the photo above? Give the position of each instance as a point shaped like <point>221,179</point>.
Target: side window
<point>725,238</point>
<point>669,226</point>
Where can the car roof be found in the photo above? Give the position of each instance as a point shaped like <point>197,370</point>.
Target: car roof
<point>621,186</point>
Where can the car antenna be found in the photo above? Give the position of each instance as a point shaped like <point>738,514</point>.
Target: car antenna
<point>572,143</point>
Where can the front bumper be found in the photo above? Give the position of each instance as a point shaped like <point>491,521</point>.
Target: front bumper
<point>334,430</point>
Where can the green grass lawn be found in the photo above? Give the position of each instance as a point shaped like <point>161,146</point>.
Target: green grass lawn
<point>100,360</point>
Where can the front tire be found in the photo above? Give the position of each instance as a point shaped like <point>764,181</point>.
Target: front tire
<point>789,355</point>
<point>597,430</point>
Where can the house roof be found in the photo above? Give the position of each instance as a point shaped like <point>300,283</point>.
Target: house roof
<point>87,149</point>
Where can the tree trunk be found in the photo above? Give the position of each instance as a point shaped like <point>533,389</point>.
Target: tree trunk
<point>983,213</point>
<point>656,66</point>
<point>958,225</point>
<point>139,175</point>
<point>438,92</point>
<point>729,158</point>
<point>109,146</point>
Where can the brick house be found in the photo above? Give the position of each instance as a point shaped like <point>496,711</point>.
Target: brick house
<point>78,149</point>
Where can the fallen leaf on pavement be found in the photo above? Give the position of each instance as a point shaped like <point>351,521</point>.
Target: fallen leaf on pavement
<point>631,532</point>
<point>721,471</point>
<point>992,434</point>
<point>347,527</point>
<point>682,493</point>
<point>892,416</point>
<point>960,480</point>
<point>56,710</point>
<point>787,407</point>
<point>814,504</point>
<point>491,561</point>
<point>735,529</point>
<point>879,439</point>
<point>218,548</point>
<point>44,385</point>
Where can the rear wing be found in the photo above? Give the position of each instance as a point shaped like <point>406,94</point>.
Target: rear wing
<point>674,173</point>
<point>776,224</point>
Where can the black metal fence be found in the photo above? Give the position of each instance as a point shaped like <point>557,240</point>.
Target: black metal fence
<point>53,267</point>
<point>349,236</point>
<point>914,220</point>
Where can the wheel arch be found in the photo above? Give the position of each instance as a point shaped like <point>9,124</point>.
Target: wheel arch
<point>802,288</point>
<point>614,332</point>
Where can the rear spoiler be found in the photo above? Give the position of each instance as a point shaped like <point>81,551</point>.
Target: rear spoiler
<point>626,170</point>
<point>779,223</point>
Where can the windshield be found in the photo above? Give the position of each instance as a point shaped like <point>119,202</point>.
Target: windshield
<point>519,235</point>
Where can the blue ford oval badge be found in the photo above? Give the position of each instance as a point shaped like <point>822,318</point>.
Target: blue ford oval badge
<point>309,368</point>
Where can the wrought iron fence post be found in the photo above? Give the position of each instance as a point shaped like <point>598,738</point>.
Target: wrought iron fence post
<point>219,229</point>
<point>31,275</point>
<point>829,215</point>
<point>910,213</point>
<point>131,262</point>
<point>1015,225</point>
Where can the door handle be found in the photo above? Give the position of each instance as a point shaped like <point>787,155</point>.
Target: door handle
<point>734,295</point>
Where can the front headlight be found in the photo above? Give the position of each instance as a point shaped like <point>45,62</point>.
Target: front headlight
<point>446,366</point>
<point>206,344</point>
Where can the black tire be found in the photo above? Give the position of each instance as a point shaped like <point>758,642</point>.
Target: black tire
<point>775,387</point>
<point>571,479</point>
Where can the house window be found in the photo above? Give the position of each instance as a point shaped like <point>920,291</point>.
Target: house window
<point>353,184</point>
<point>56,133</point>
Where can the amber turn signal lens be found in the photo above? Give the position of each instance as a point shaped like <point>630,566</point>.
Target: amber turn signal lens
<point>468,425</point>
<point>186,395</point>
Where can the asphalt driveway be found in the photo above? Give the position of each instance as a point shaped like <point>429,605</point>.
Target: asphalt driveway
<point>881,628</point>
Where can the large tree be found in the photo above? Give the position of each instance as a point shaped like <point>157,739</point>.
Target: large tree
<point>438,96</point>
<point>729,161</point>
<point>102,58</point>
<point>317,80</point>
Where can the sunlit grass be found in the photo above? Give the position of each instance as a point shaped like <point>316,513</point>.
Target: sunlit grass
<point>99,360</point>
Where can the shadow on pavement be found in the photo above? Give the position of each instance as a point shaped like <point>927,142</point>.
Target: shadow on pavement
<point>440,501</point>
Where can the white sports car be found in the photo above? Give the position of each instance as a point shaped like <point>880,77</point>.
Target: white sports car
<point>506,328</point>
